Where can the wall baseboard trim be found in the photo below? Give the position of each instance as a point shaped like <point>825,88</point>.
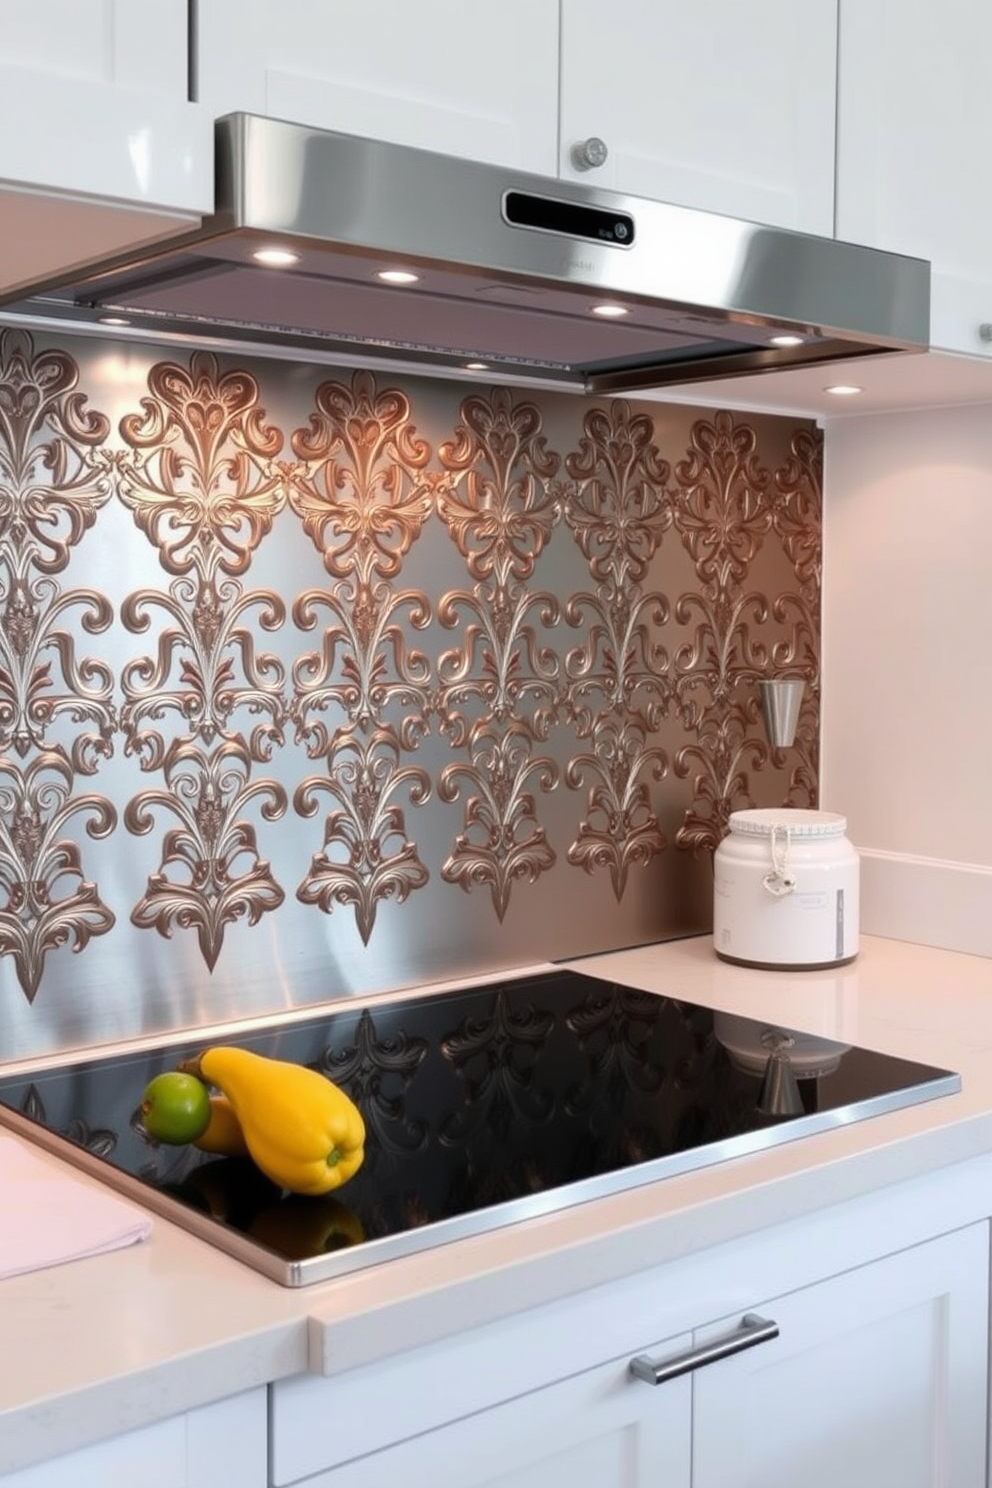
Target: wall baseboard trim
<point>927,900</point>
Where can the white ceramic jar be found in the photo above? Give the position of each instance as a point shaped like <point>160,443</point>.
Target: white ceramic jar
<point>786,886</point>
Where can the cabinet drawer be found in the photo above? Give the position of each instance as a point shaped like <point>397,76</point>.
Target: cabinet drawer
<point>319,1423</point>
<point>593,1430</point>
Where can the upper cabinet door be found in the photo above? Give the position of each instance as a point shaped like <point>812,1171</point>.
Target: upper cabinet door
<point>725,106</point>
<point>100,146</point>
<point>914,121</point>
<point>479,81</point>
<point>116,43</point>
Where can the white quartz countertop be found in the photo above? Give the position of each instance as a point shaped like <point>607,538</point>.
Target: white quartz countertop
<point>102,1345</point>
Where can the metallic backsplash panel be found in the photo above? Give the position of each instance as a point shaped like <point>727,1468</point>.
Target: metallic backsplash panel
<point>318,683</point>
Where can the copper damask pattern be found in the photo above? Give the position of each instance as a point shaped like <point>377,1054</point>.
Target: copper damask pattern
<point>725,508</point>
<point>363,495</point>
<point>366,856</point>
<point>618,687</point>
<point>499,691</point>
<point>211,874</point>
<point>52,484</point>
<point>517,651</point>
<point>45,900</point>
<point>796,522</point>
<point>202,482</point>
<point>502,841</point>
<point>57,714</point>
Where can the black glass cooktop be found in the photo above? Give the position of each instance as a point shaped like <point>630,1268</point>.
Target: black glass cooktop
<point>483,1107</point>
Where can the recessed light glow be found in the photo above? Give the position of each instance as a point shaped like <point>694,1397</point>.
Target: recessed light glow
<point>476,366</point>
<point>787,340</point>
<point>397,276</point>
<point>843,390</point>
<point>275,258</point>
<point>610,312</point>
<point>113,320</point>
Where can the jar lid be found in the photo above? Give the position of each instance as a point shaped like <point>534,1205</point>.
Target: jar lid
<point>764,820</point>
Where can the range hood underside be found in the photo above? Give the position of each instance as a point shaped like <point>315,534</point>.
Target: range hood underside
<point>528,333</point>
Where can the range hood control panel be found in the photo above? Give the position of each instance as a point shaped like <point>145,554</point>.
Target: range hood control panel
<point>569,219</point>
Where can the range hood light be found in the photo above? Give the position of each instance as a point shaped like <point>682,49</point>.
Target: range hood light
<point>610,312</point>
<point>275,258</point>
<point>787,340</point>
<point>397,276</point>
<point>476,366</point>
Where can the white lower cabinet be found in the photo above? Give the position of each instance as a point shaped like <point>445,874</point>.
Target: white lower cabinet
<point>876,1378</point>
<point>214,1445</point>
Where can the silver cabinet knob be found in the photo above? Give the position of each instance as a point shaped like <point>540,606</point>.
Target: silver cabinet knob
<point>589,153</point>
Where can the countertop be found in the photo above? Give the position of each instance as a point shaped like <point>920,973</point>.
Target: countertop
<point>117,1341</point>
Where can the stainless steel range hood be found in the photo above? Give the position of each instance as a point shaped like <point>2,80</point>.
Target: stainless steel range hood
<point>513,273</point>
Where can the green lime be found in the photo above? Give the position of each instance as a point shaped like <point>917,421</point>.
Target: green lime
<point>175,1108</point>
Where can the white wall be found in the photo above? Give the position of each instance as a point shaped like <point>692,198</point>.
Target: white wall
<point>907,667</point>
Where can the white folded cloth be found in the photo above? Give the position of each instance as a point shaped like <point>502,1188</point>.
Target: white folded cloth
<point>47,1215</point>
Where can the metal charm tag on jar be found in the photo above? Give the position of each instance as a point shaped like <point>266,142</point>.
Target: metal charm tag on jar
<point>786,886</point>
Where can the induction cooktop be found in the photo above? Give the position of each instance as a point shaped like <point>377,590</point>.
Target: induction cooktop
<point>484,1107</point>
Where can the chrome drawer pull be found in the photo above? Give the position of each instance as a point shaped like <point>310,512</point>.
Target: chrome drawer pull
<point>752,1330</point>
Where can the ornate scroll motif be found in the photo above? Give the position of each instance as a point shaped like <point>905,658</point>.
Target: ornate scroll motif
<point>617,683</point>
<point>201,646</point>
<point>363,494</point>
<point>362,483</point>
<point>797,521</point>
<point>723,513</point>
<point>363,486</point>
<point>52,484</point>
<point>365,632</point>
<point>621,831</point>
<point>51,489</point>
<point>500,508</point>
<point>211,874</point>
<point>203,485</point>
<point>45,902</point>
<point>500,505</point>
<point>797,512</point>
<point>367,855</point>
<point>502,841</point>
<point>202,482</point>
<point>721,785</point>
<point>620,510</point>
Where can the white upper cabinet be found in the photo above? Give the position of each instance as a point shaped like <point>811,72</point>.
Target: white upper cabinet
<point>724,106</point>
<point>474,80</point>
<point>914,121</point>
<point>100,147</point>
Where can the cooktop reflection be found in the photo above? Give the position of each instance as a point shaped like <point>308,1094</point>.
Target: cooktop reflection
<point>483,1107</point>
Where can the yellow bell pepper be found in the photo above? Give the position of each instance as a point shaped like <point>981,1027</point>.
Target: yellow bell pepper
<point>302,1130</point>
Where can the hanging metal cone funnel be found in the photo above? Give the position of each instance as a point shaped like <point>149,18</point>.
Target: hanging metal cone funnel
<point>780,703</point>
<point>779,1094</point>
